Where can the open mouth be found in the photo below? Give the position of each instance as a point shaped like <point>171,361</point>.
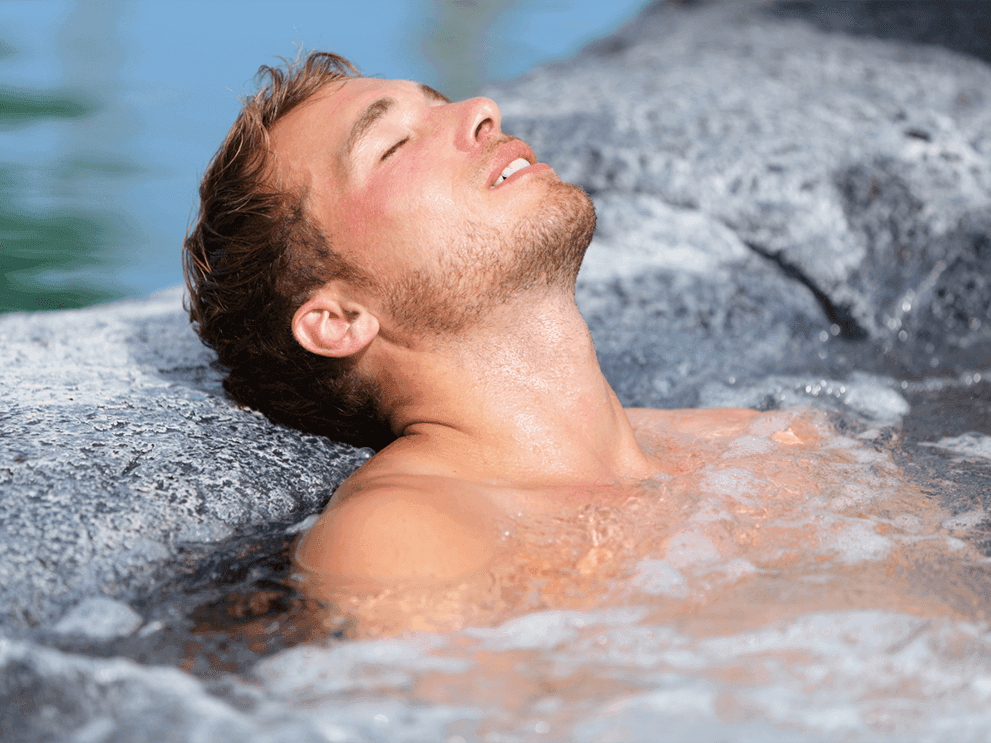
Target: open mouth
<point>517,164</point>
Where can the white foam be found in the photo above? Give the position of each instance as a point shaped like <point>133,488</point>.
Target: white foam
<point>353,667</point>
<point>659,578</point>
<point>969,445</point>
<point>862,675</point>
<point>866,395</point>
<point>99,619</point>
<point>734,482</point>
<point>549,629</point>
<point>854,539</point>
<point>966,521</point>
<point>689,549</point>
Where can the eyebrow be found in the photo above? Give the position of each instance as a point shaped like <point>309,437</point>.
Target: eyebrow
<point>376,111</point>
<point>369,116</point>
<point>433,94</point>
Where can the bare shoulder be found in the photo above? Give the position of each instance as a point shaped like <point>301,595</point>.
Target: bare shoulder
<point>389,528</point>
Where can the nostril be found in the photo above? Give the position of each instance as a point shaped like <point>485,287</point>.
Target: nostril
<point>481,126</point>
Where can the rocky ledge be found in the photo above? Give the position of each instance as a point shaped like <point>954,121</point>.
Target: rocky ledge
<point>121,458</point>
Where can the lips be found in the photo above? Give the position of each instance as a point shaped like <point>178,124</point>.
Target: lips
<point>509,160</point>
<point>517,164</point>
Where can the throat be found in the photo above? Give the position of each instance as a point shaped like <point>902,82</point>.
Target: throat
<point>526,405</point>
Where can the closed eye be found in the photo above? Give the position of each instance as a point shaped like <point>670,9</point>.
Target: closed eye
<point>392,150</point>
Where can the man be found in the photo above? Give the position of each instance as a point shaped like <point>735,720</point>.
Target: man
<point>367,251</point>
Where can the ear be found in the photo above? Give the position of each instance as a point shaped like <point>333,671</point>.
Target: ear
<point>329,326</point>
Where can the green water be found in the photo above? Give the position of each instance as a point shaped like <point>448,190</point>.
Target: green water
<point>35,246</point>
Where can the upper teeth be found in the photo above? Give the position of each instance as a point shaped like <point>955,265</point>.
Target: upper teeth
<point>517,164</point>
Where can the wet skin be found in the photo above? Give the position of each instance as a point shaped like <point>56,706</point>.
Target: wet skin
<point>409,543</point>
<point>403,518</point>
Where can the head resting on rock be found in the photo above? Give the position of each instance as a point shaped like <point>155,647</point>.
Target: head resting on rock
<point>254,255</point>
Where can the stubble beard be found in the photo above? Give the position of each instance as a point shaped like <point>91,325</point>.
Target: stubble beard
<point>486,269</point>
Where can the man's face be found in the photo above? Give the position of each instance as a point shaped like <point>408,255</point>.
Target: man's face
<point>409,187</point>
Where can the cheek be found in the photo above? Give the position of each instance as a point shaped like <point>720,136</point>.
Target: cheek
<point>368,222</point>
<point>402,211</point>
<point>404,208</point>
<point>422,191</point>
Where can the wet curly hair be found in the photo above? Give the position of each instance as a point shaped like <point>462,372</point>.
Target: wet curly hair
<point>252,259</point>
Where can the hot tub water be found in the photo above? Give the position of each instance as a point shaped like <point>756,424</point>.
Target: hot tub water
<point>801,579</point>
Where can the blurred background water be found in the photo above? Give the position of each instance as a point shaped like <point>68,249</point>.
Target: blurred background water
<point>110,111</point>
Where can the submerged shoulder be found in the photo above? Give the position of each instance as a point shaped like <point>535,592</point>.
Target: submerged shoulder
<point>790,426</point>
<point>402,528</point>
<point>693,421</point>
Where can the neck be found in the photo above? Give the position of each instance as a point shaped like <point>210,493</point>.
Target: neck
<point>519,398</point>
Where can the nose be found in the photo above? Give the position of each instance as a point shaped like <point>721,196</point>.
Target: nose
<point>481,119</point>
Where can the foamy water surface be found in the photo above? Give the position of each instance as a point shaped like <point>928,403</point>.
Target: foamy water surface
<point>781,581</point>
<point>785,581</point>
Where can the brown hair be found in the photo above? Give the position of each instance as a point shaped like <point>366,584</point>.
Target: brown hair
<point>254,256</point>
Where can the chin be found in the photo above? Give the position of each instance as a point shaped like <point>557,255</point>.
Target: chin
<point>554,239</point>
<point>485,268</point>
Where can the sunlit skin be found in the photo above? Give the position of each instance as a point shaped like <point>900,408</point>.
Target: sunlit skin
<point>509,420</point>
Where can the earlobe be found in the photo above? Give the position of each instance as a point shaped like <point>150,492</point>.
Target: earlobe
<point>324,326</point>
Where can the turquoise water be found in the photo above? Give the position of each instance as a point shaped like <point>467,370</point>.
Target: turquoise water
<point>110,111</point>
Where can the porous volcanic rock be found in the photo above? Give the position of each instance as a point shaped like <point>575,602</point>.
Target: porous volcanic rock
<point>759,181</point>
<point>120,453</point>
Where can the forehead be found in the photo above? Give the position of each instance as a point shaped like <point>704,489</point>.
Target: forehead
<point>319,127</point>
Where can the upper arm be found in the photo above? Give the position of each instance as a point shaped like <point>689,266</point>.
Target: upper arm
<point>390,534</point>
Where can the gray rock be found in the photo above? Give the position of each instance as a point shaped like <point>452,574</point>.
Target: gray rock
<point>856,173</point>
<point>961,25</point>
<point>119,453</point>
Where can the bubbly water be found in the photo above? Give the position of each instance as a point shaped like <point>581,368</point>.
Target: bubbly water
<point>789,582</point>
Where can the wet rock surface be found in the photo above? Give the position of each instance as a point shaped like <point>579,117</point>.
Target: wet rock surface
<point>791,210</point>
<point>120,457</point>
